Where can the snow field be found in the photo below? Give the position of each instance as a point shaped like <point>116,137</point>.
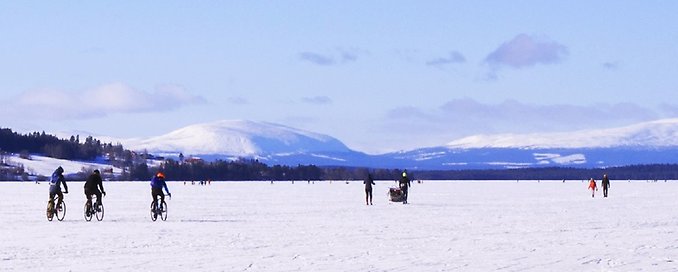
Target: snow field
<point>258,226</point>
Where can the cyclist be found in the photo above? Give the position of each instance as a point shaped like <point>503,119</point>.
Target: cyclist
<point>92,186</point>
<point>55,186</point>
<point>157,184</point>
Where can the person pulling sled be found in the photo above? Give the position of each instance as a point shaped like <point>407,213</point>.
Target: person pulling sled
<point>400,194</point>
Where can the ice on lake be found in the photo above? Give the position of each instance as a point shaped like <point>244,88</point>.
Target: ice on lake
<point>258,226</point>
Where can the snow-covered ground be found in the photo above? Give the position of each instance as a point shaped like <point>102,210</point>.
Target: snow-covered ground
<point>258,226</point>
<point>41,165</point>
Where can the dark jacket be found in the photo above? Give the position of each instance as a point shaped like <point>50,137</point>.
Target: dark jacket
<point>606,182</point>
<point>404,183</point>
<point>94,181</point>
<point>369,182</point>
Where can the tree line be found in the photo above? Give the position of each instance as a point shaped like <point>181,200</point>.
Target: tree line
<point>136,165</point>
<point>52,146</point>
<point>630,172</point>
<point>251,170</point>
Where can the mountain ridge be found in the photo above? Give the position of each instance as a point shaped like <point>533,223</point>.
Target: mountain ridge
<point>658,133</point>
<point>238,138</point>
<point>642,143</point>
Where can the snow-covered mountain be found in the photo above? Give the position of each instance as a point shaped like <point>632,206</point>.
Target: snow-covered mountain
<point>240,138</point>
<point>660,133</point>
<point>643,143</point>
<point>649,142</point>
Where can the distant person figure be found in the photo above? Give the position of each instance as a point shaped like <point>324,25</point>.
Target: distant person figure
<point>55,186</point>
<point>157,184</point>
<point>606,184</point>
<point>593,186</point>
<point>404,185</point>
<point>368,189</point>
<point>92,186</point>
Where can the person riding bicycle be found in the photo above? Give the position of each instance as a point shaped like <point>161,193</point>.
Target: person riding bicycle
<point>157,183</point>
<point>92,186</point>
<point>55,186</point>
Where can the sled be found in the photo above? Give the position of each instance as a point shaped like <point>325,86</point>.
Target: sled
<point>396,195</point>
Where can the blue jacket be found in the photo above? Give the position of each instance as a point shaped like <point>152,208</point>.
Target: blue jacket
<point>56,181</point>
<point>159,183</point>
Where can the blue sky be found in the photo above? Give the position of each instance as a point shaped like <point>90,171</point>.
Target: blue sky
<point>378,75</point>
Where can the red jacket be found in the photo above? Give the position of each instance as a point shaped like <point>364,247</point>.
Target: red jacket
<point>592,185</point>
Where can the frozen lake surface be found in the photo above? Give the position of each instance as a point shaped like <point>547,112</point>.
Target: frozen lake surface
<point>258,226</point>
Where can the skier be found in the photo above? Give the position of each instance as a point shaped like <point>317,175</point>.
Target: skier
<point>368,189</point>
<point>593,186</point>
<point>55,186</point>
<point>606,184</point>
<point>92,186</point>
<point>157,184</point>
<point>404,185</point>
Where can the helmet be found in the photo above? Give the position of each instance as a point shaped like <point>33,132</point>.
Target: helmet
<point>96,171</point>
<point>59,170</point>
<point>160,175</point>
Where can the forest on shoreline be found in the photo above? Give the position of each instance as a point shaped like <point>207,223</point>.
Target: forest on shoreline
<point>136,168</point>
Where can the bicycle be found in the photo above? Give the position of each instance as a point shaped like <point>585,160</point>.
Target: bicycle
<point>90,210</point>
<point>60,210</point>
<point>158,210</point>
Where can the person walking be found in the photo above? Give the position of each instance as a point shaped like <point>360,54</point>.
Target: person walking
<point>593,187</point>
<point>606,184</point>
<point>404,185</point>
<point>368,189</point>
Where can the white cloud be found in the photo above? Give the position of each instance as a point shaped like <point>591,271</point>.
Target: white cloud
<point>611,65</point>
<point>525,51</point>
<point>339,56</point>
<point>317,100</point>
<point>453,58</point>
<point>237,100</point>
<point>316,58</point>
<point>98,102</point>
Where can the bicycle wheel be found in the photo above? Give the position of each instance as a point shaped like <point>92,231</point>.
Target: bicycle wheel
<point>100,211</point>
<point>61,211</point>
<point>154,215</point>
<point>163,211</point>
<point>88,211</point>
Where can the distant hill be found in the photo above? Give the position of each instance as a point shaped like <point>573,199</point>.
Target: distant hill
<point>232,139</point>
<point>248,145</point>
<point>655,134</point>
<point>644,143</point>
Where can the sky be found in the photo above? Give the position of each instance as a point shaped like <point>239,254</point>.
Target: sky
<point>379,76</point>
